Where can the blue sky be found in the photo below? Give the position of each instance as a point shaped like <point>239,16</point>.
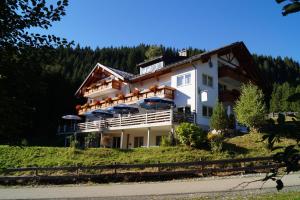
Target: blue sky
<point>205,24</point>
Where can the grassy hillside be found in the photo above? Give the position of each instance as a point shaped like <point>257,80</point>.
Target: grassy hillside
<point>240,146</point>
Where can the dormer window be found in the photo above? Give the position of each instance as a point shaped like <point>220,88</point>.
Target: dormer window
<point>151,68</point>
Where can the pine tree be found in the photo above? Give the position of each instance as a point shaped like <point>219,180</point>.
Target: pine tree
<point>250,108</point>
<point>219,119</point>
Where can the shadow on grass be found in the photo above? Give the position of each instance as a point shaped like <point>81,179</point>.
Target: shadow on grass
<point>234,149</point>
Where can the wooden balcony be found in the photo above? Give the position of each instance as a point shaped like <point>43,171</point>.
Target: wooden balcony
<point>162,91</point>
<point>160,118</point>
<point>232,73</point>
<point>229,95</point>
<point>102,88</point>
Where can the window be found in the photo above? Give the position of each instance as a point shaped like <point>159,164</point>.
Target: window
<point>207,80</point>
<point>116,142</point>
<point>186,110</point>
<point>138,142</point>
<point>207,111</point>
<point>184,79</point>
<point>204,96</point>
<point>158,140</point>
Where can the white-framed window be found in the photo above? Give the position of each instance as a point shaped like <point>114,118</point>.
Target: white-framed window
<point>204,96</point>
<point>207,80</point>
<point>183,80</point>
<point>207,111</point>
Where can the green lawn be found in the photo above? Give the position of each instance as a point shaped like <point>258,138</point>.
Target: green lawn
<point>240,146</point>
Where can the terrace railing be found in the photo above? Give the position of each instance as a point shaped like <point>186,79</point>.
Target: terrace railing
<point>159,118</point>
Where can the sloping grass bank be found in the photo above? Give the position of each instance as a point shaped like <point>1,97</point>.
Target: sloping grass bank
<point>240,146</point>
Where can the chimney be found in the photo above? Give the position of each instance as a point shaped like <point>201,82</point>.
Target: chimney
<point>183,53</point>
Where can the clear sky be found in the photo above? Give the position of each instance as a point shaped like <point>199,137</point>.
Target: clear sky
<point>205,24</point>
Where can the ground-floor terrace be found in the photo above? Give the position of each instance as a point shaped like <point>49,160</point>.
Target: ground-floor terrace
<point>125,132</point>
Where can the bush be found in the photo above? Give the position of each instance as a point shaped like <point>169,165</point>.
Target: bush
<point>215,139</point>
<point>190,134</point>
<point>166,141</point>
<point>219,120</point>
<point>74,143</point>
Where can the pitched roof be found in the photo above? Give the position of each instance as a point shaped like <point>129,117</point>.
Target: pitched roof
<point>125,75</point>
<point>238,48</point>
<point>118,73</point>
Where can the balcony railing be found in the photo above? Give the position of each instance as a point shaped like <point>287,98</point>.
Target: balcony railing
<point>102,88</point>
<point>162,91</point>
<point>160,118</point>
<point>232,73</point>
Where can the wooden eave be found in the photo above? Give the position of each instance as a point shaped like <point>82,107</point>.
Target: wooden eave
<point>94,76</point>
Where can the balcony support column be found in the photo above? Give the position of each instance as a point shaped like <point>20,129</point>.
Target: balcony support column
<point>148,137</point>
<point>122,139</point>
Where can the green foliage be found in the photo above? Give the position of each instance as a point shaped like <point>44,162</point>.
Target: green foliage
<point>248,145</point>
<point>190,134</point>
<point>219,119</point>
<point>284,98</point>
<point>23,82</point>
<point>153,51</point>
<point>216,141</point>
<point>92,140</point>
<point>166,141</point>
<point>74,143</point>
<point>250,108</point>
<point>289,8</point>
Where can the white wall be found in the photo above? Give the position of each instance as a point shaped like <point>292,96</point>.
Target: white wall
<point>161,80</point>
<point>184,95</point>
<point>204,68</point>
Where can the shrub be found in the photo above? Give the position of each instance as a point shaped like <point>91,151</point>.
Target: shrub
<point>215,139</point>
<point>74,143</point>
<point>219,120</point>
<point>166,141</point>
<point>190,134</point>
<point>250,108</point>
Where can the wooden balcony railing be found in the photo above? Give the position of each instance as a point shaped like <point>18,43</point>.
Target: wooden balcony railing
<point>162,91</point>
<point>232,73</point>
<point>166,117</point>
<point>96,89</point>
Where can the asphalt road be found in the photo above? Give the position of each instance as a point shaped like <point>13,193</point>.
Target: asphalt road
<point>153,190</point>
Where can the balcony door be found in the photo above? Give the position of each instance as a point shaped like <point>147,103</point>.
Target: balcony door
<point>138,142</point>
<point>116,142</point>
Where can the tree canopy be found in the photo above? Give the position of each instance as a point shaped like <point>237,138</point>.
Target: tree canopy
<point>291,7</point>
